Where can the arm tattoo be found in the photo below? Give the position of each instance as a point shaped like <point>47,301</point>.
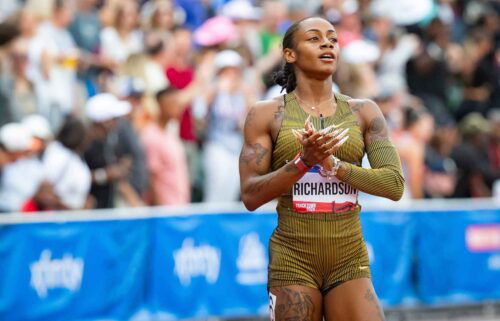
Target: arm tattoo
<point>250,118</point>
<point>357,105</point>
<point>254,152</point>
<point>377,129</point>
<point>278,114</point>
<point>294,305</point>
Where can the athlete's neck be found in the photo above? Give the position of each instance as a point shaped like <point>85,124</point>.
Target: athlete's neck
<point>313,91</point>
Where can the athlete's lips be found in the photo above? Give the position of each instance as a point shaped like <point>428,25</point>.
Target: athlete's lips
<point>327,56</point>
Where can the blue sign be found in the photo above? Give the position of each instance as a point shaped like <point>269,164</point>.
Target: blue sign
<point>458,256</point>
<point>198,266</point>
<point>72,271</point>
<point>389,239</point>
<point>208,266</point>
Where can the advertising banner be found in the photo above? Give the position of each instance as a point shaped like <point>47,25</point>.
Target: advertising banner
<point>72,271</point>
<point>389,240</point>
<point>210,265</point>
<point>458,256</point>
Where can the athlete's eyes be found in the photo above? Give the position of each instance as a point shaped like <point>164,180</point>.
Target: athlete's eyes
<point>314,38</point>
<point>334,40</point>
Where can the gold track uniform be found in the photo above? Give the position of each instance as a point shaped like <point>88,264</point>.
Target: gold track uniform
<point>318,241</point>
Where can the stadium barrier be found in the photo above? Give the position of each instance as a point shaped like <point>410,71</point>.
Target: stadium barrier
<point>198,262</point>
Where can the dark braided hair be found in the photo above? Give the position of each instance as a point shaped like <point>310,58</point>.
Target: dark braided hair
<point>286,76</point>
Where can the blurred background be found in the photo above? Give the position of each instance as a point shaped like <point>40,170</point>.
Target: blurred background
<point>121,109</point>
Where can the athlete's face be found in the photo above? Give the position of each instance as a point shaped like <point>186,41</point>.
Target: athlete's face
<point>316,48</point>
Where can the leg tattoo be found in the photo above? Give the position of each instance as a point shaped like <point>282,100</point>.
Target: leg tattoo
<point>294,306</point>
<point>370,296</point>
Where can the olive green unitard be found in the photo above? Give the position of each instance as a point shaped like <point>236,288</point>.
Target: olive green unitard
<point>322,249</point>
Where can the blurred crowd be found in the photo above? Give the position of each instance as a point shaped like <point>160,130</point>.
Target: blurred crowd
<point>126,103</point>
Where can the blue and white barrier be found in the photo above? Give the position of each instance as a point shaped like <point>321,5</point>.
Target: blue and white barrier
<point>195,262</point>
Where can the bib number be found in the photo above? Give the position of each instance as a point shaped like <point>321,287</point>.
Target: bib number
<point>314,193</point>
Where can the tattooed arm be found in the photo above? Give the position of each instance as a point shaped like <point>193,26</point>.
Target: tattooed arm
<point>258,185</point>
<point>385,178</point>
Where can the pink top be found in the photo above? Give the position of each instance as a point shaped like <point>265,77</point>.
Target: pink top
<point>167,164</point>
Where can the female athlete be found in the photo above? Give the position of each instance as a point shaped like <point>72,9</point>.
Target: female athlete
<point>305,148</point>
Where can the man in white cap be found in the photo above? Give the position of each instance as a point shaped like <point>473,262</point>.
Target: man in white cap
<point>39,128</point>
<point>16,144</point>
<point>108,172</point>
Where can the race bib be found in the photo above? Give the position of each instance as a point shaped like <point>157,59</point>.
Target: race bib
<point>314,193</point>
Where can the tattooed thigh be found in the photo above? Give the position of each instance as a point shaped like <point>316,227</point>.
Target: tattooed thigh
<point>295,303</point>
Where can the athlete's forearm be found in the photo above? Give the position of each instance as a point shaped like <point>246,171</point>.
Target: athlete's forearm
<point>258,190</point>
<point>384,179</point>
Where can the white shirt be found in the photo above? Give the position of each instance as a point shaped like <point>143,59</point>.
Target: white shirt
<point>68,173</point>
<point>20,181</point>
<point>117,48</point>
<point>59,89</point>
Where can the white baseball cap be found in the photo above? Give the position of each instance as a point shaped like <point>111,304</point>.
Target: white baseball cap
<point>15,137</point>
<point>227,58</point>
<point>104,107</point>
<point>38,126</point>
<point>241,10</point>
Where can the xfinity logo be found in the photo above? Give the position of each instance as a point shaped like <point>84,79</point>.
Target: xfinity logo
<point>47,273</point>
<point>252,260</point>
<point>192,261</point>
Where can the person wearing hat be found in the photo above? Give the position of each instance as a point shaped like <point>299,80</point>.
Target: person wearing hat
<point>475,175</point>
<point>16,163</point>
<point>227,103</point>
<point>39,128</point>
<point>109,173</point>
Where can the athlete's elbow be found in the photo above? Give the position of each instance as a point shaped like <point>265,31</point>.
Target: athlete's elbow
<point>398,190</point>
<point>249,202</point>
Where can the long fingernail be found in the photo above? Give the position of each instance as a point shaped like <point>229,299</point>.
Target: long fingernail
<point>342,141</point>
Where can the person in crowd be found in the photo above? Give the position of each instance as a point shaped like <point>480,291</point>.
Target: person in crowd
<point>64,167</point>
<point>15,190</point>
<point>227,105</point>
<point>109,173</point>
<point>319,265</point>
<point>440,170</point>
<point>17,95</point>
<point>418,127</point>
<point>165,154</point>
<point>475,174</point>
<point>122,39</point>
<point>181,74</point>
<point>54,60</point>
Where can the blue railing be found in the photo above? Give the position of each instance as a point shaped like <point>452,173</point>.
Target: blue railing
<point>178,263</point>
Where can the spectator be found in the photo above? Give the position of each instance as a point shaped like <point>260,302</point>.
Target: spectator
<point>475,173</point>
<point>417,131</point>
<point>64,167</point>
<point>17,93</point>
<point>15,189</point>
<point>40,130</point>
<point>227,103</point>
<point>53,62</point>
<point>181,74</point>
<point>122,39</point>
<point>165,154</point>
<point>109,173</point>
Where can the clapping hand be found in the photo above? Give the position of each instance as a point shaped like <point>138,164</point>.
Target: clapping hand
<point>319,145</point>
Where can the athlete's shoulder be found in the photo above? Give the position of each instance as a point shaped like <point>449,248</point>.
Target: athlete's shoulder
<point>267,104</point>
<point>362,105</point>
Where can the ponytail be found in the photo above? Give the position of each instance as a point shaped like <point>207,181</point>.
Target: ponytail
<point>286,78</point>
